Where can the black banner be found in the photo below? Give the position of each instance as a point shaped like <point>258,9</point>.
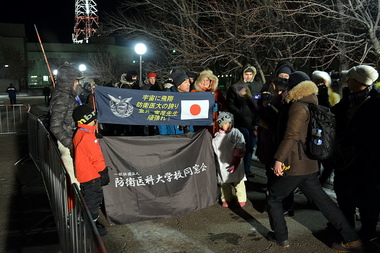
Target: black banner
<point>158,176</point>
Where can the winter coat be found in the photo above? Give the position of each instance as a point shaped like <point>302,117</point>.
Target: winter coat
<point>62,105</point>
<point>293,127</point>
<point>173,129</point>
<point>12,91</point>
<point>88,158</point>
<point>224,145</point>
<point>362,134</point>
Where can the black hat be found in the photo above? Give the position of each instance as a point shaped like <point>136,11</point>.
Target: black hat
<point>178,77</point>
<point>296,78</point>
<point>84,114</point>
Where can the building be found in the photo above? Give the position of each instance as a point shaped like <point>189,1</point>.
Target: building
<point>23,63</point>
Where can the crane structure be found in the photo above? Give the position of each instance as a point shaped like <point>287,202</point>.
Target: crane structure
<point>86,20</point>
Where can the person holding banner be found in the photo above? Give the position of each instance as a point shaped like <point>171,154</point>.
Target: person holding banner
<point>229,147</point>
<point>208,82</point>
<point>180,84</point>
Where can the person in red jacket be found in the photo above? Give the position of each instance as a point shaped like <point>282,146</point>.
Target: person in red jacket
<point>90,168</point>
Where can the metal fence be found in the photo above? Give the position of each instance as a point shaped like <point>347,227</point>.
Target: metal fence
<point>76,229</point>
<point>13,118</point>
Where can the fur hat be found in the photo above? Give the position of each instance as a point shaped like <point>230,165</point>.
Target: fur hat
<point>296,78</point>
<point>317,75</point>
<point>210,75</point>
<point>364,74</point>
<point>84,114</point>
<point>224,117</point>
<point>178,76</point>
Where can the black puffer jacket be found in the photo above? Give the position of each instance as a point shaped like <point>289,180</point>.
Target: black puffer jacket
<point>62,105</point>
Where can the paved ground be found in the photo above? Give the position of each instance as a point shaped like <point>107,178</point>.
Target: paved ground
<point>26,223</point>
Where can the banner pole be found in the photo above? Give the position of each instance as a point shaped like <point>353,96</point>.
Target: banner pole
<point>46,60</point>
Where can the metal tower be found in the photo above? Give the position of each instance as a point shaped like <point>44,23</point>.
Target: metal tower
<point>86,20</point>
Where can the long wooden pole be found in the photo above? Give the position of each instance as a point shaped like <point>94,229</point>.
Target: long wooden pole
<point>46,60</point>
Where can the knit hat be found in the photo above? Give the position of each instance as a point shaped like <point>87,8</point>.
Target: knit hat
<point>152,74</point>
<point>84,114</point>
<point>296,78</point>
<point>130,74</point>
<point>224,117</point>
<point>284,69</point>
<point>178,77</point>
<point>364,74</point>
<point>317,75</point>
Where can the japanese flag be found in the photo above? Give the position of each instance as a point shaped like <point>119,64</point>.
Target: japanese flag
<point>194,109</point>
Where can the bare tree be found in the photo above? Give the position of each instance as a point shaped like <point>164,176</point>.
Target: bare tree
<point>224,35</point>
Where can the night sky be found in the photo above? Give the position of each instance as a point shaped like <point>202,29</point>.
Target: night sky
<point>54,19</point>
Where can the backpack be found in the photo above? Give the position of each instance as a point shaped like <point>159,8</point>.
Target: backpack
<point>321,134</point>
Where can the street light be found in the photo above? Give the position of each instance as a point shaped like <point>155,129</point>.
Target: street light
<point>140,49</point>
<point>82,68</point>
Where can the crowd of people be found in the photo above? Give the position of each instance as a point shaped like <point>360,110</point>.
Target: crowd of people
<point>271,119</point>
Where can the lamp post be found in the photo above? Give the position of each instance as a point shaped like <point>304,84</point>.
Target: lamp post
<point>140,49</point>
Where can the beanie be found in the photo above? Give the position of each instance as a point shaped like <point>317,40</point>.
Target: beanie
<point>84,114</point>
<point>317,75</point>
<point>296,78</point>
<point>130,74</point>
<point>178,77</point>
<point>224,117</point>
<point>284,69</point>
<point>364,74</point>
<point>152,74</point>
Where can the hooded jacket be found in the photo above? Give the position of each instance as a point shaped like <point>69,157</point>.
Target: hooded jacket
<point>245,108</point>
<point>218,96</point>
<point>62,106</point>
<point>293,128</point>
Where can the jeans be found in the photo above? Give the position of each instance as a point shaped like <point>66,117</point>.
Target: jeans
<point>312,189</point>
<point>250,143</point>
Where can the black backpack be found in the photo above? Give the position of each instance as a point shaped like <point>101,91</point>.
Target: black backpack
<point>320,138</point>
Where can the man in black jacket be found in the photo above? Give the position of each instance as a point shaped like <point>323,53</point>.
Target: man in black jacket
<point>357,173</point>
<point>62,105</point>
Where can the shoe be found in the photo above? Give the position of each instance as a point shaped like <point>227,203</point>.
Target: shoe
<point>101,229</point>
<point>283,244</point>
<point>240,204</point>
<point>354,246</point>
<point>224,204</point>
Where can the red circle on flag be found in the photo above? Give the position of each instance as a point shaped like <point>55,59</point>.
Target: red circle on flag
<point>195,109</point>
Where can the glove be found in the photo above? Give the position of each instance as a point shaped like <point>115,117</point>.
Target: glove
<point>104,177</point>
<point>215,108</point>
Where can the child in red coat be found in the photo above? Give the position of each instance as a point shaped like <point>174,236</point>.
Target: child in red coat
<point>89,161</point>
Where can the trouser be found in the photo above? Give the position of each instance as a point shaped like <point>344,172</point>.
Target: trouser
<point>250,142</point>
<point>366,197</point>
<point>288,202</point>
<point>312,189</point>
<point>93,195</point>
<point>226,191</point>
<point>68,162</point>
<point>12,100</point>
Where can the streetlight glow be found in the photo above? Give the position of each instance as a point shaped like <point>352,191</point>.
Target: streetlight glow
<point>82,67</point>
<point>140,49</point>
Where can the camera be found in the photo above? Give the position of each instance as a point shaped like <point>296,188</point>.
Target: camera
<point>263,96</point>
